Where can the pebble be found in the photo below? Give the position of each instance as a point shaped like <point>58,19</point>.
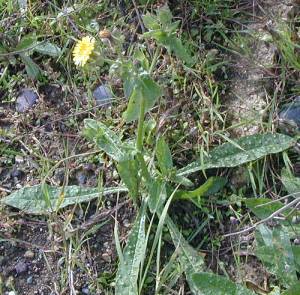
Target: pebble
<point>16,173</point>
<point>29,254</point>
<point>102,95</point>
<point>26,99</point>
<point>21,267</point>
<point>19,159</point>
<point>29,280</point>
<point>11,293</point>
<point>85,291</point>
<point>81,177</point>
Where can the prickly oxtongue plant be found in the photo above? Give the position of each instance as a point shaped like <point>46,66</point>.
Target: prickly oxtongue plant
<point>153,188</point>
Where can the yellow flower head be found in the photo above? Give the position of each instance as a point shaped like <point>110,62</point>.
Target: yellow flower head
<point>83,50</point>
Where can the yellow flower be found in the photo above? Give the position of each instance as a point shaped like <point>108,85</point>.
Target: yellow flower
<point>83,50</point>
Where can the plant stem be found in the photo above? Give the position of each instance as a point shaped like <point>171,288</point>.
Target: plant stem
<point>140,130</point>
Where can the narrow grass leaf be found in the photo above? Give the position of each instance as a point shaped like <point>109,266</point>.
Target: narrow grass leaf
<point>134,253</point>
<point>250,148</point>
<point>41,199</point>
<point>211,284</point>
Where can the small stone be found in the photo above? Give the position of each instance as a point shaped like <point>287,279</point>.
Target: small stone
<point>102,95</point>
<point>85,290</point>
<point>26,99</point>
<point>29,280</point>
<point>234,220</point>
<point>11,293</point>
<point>81,177</point>
<point>19,159</point>
<point>16,173</point>
<point>21,267</point>
<point>289,121</point>
<point>29,254</point>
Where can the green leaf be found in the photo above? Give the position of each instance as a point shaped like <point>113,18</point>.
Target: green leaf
<point>211,284</point>
<point>40,199</point>
<point>210,187</point>
<point>48,48</point>
<point>189,259</point>
<point>32,69</point>
<point>182,52</point>
<point>107,140</point>
<point>293,290</point>
<point>241,151</point>
<point>275,251</point>
<point>134,254</point>
<point>165,16</point>
<point>290,182</point>
<point>146,88</point>
<point>128,170</point>
<point>150,22</point>
<point>296,252</point>
<point>158,195</point>
<point>262,207</point>
<point>28,42</point>
<point>164,156</point>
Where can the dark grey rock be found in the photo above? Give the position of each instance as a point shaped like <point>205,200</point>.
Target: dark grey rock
<point>289,117</point>
<point>21,267</point>
<point>26,100</point>
<point>102,95</point>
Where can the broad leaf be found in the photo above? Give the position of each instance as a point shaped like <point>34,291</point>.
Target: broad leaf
<point>262,207</point>
<point>296,252</point>
<point>128,171</point>
<point>150,22</point>
<point>40,199</point>
<point>175,45</point>
<point>275,251</point>
<point>107,140</point>
<point>211,284</point>
<point>291,183</point>
<point>147,89</point>
<point>28,42</point>
<point>48,48</point>
<point>241,151</point>
<point>134,253</point>
<point>189,259</point>
<point>164,156</point>
<point>293,290</point>
<point>32,69</point>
